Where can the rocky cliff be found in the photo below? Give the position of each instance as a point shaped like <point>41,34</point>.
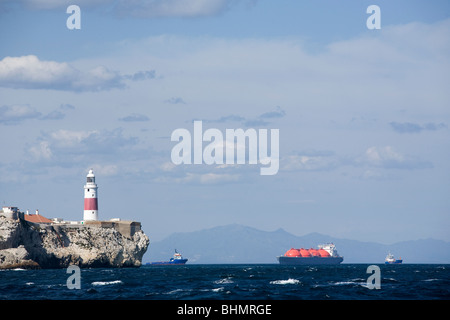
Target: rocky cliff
<point>28,245</point>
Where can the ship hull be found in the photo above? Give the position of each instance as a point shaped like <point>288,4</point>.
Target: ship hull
<point>394,262</point>
<point>167,263</point>
<point>309,260</point>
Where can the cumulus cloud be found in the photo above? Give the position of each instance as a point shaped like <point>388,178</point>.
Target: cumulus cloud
<point>41,151</point>
<point>311,161</point>
<point>29,72</point>
<point>372,160</point>
<point>70,147</point>
<point>68,138</point>
<point>389,158</point>
<point>14,114</point>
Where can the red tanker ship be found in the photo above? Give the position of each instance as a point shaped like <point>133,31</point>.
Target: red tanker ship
<point>325,254</point>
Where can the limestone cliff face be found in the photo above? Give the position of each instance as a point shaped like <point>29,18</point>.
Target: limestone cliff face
<point>27,245</point>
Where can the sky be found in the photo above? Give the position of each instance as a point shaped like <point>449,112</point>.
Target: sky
<point>363,114</point>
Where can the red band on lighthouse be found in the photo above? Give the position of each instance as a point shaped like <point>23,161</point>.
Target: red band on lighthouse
<point>90,204</point>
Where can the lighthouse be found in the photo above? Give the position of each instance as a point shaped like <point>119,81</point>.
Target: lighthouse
<point>90,198</point>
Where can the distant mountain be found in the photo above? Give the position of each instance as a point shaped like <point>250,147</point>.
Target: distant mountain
<point>242,244</point>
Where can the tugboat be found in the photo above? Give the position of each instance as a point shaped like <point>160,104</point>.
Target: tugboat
<point>391,260</point>
<point>176,260</point>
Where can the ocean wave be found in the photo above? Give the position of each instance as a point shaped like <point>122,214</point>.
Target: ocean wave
<point>390,279</point>
<point>431,280</point>
<point>225,280</point>
<point>346,283</point>
<point>288,281</point>
<point>105,283</point>
<point>175,291</point>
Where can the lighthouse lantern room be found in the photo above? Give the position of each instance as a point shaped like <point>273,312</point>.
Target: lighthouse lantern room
<point>90,198</point>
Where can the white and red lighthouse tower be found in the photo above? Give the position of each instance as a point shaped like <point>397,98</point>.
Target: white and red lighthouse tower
<point>90,198</point>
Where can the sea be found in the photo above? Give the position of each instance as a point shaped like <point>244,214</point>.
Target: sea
<point>241,283</point>
<point>231,281</point>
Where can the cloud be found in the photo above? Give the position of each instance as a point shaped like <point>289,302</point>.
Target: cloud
<point>54,115</point>
<point>41,151</point>
<point>141,75</point>
<point>59,113</point>
<point>311,161</point>
<point>28,72</point>
<point>14,114</point>
<point>372,160</point>
<point>278,113</point>
<point>408,127</point>
<point>389,158</point>
<point>70,147</point>
<point>258,121</point>
<point>135,117</point>
<point>108,141</point>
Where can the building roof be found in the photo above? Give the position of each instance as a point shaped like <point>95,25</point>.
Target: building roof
<point>36,218</point>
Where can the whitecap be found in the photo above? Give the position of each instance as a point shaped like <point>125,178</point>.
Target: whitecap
<point>343,283</point>
<point>105,283</point>
<point>176,291</point>
<point>222,281</point>
<point>391,279</point>
<point>431,280</point>
<point>288,281</point>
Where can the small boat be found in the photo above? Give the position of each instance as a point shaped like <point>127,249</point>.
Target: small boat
<point>391,260</point>
<point>176,260</point>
